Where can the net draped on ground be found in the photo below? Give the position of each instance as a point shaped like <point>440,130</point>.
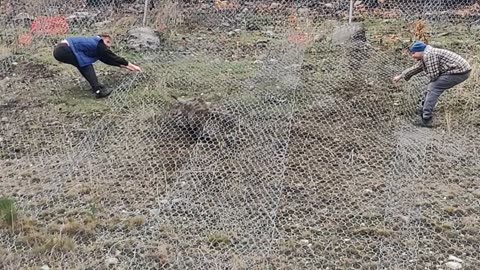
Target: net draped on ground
<point>308,160</point>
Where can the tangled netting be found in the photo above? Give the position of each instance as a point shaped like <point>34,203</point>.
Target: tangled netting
<point>260,135</point>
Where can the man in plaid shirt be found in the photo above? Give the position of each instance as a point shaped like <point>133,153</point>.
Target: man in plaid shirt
<point>444,68</point>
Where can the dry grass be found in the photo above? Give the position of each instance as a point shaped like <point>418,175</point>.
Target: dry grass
<point>84,227</point>
<point>134,222</point>
<point>160,254</point>
<point>57,243</point>
<point>168,16</point>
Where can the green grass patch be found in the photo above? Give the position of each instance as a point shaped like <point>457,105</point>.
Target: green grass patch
<point>77,100</point>
<point>8,211</point>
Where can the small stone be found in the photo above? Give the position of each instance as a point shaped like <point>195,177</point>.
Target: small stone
<point>328,5</point>
<point>14,63</point>
<point>270,33</point>
<point>257,62</point>
<point>368,190</point>
<point>404,218</point>
<point>274,5</point>
<point>455,259</point>
<point>4,119</point>
<point>304,242</point>
<point>111,261</point>
<point>453,265</point>
<point>45,267</point>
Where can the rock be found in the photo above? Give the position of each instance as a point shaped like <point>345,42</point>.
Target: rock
<point>270,33</point>
<point>329,5</point>
<point>23,18</point>
<point>45,267</point>
<point>274,5</point>
<point>101,24</point>
<point>4,83</point>
<point>453,265</point>
<point>455,259</point>
<point>4,119</point>
<point>304,242</point>
<point>345,33</point>
<point>143,39</point>
<point>82,18</point>
<point>111,261</point>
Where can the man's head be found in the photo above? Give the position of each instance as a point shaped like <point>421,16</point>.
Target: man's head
<point>107,39</point>
<point>416,50</point>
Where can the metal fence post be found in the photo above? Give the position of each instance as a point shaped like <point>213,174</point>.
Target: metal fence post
<point>145,11</point>
<point>350,12</point>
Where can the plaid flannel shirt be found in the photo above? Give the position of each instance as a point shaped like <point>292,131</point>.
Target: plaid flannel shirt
<point>438,62</point>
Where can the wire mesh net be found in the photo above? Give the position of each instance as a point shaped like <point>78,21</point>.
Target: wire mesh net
<point>260,135</point>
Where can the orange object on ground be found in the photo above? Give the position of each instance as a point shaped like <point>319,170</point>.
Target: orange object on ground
<point>49,26</point>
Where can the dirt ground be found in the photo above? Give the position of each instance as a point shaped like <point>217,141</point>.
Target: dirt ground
<point>325,170</point>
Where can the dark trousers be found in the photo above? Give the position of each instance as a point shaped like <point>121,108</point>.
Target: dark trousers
<point>436,88</point>
<point>63,53</point>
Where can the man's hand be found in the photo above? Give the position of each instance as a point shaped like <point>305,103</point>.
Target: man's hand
<point>132,67</point>
<point>397,78</point>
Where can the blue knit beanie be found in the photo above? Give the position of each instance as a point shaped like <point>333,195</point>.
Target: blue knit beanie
<point>417,46</point>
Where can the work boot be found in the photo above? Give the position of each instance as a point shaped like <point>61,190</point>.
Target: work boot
<point>103,91</point>
<point>423,122</point>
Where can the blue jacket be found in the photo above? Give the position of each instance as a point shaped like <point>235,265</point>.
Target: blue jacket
<point>84,49</point>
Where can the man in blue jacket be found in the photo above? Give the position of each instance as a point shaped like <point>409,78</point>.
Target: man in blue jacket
<point>82,52</point>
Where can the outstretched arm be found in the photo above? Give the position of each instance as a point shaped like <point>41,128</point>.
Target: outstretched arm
<point>410,72</point>
<point>108,57</point>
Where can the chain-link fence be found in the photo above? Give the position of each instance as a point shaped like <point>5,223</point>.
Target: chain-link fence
<point>260,135</point>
